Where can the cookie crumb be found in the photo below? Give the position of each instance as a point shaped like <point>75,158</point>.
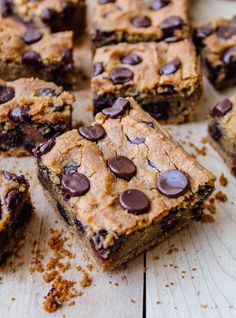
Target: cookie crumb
<point>220,196</point>
<point>223,180</point>
<point>207,218</point>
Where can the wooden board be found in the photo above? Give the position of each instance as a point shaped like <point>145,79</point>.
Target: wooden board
<point>196,279</point>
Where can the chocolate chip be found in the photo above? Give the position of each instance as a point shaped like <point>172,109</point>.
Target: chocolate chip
<point>32,35</point>
<point>70,169</point>
<point>7,93</point>
<point>12,177</point>
<point>230,56</point>
<point>172,23</point>
<point>215,131</point>
<point>221,108</point>
<point>92,133</point>
<point>158,4</point>
<point>172,39</point>
<point>136,140</point>
<point>12,198</point>
<point>121,75</point>
<point>141,21</point>
<point>172,183</point>
<point>134,201</point>
<point>106,1</point>
<point>122,167</point>
<point>97,69</point>
<point>226,32</point>
<point>78,225</point>
<point>5,8</point>
<point>47,91</point>
<point>148,123</point>
<point>118,108</point>
<point>74,185</point>
<point>48,15</point>
<point>132,59</point>
<point>170,68</point>
<point>33,59</point>
<point>204,31</point>
<point>44,148</point>
<point>67,57</point>
<point>20,114</point>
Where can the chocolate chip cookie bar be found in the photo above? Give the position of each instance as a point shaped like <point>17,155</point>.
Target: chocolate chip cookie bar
<point>15,211</point>
<point>26,51</point>
<point>222,131</point>
<point>58,15</point>
<point>123,184</point>
<point>216,38</point>
<point>135,21</point>
<point>166,82</point>
<point>31,111</point>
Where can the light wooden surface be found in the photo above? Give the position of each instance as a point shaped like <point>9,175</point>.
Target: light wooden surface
<point>198,279</point>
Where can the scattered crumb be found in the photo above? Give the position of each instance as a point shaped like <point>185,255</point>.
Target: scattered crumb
<point>86,280</point>
<point>72,303</point>
<point>207,218</point>
<point>49,276</point>
<point>158,302</point>
<point>220,196</point>
<point>204,140</point>
<point>223,180</point>
<point>204,306</point>
<point>133,301</point>
<point>210,206</point>
<point>172,250</point>
<point>198,151</point>
<point>13,298</point>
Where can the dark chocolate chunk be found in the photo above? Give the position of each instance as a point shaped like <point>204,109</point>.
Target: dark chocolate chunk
<point>73,185</point>
<point>13,177</point>
<point>122,167</point>
<point>67,57</point>
<point>20,114</point>
<point>158,4</point>
<point>32,35</point>
<point>141,21</point>
<point>204,31</point>
<point>136,140</point>
<point>79,226</point>
<point>170,68</point>
<point>103,101</point>
<point>170,24</point>
<point>46,91</point>
<point>121,75</point>
<point>48,15</point>
<point>70,168</point>
<point>230,56</point>
<point>134,201</point>
<point>44,148</point>
<point>92,133</point>
<point>221,108</point>
<point>226,32</point>
<point>215,131</point>
<point>7,93</point>
<point>132,59</point>
<point>106,1</point>
<point>172,183</point>
<point>68,11</point>
<point>172,39</point>
<point>33,59</point>
<point>12,198</point>
<point>13,138</point>
<point>118,108</point>
<point>97,69</point>
<point>5,8</point>
<point>158,110</point>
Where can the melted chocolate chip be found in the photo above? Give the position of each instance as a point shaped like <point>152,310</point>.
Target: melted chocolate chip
<point>48,15</point>
<point>204,31</point>
<point>20,114</point>
<point>118,108</point>
<point>170,68</point>
<point>226,32</point>
<point>32,35</point>
<point>230,56</point>
<point>170,24</point>
<point>132,59</point>
<point>121,75</point>
<point>158,4</point>
<point>106,1</point>
<point>221,108</point>
<point>7,93</point>
<point>73,185</point>
<point>134,201</point>
<point>33,59</point>
<point>12,177</point>
<point>44,148</point>
<point>12,198</point>
<point>122,167</point>
<point>46,91</point>
<point>215,131</point>
<point>67,57</point>
<point>97,69</point>
<point>141,21</point>
<point>172,183</point>
<point>92,133</point>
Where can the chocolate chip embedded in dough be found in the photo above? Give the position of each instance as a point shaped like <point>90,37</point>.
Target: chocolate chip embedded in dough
<point>122,167</point>
<point>170,68</point>
<point>118,108</point>
<point>221,108</point>
<point>134,201</point>
<point>172,183</point>
<point>73,185</point>
<point>92,133</point>
<point>7,93</point>
<point>121,75</point>
<point>141,21</point>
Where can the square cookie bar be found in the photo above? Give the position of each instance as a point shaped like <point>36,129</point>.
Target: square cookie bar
<point>26,51</point>
<point>123,184</point>
<point>15,211</point>
<point>31,111</point>
<point>216,38</point>
<point>222,131</point>
<point>135,21</point>
<point>58,15</point>
<point>166,82</point>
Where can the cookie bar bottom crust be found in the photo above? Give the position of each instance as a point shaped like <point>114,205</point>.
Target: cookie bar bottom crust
<point>124,247</point>
<point>12,234</point>
<point>167,109</point>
